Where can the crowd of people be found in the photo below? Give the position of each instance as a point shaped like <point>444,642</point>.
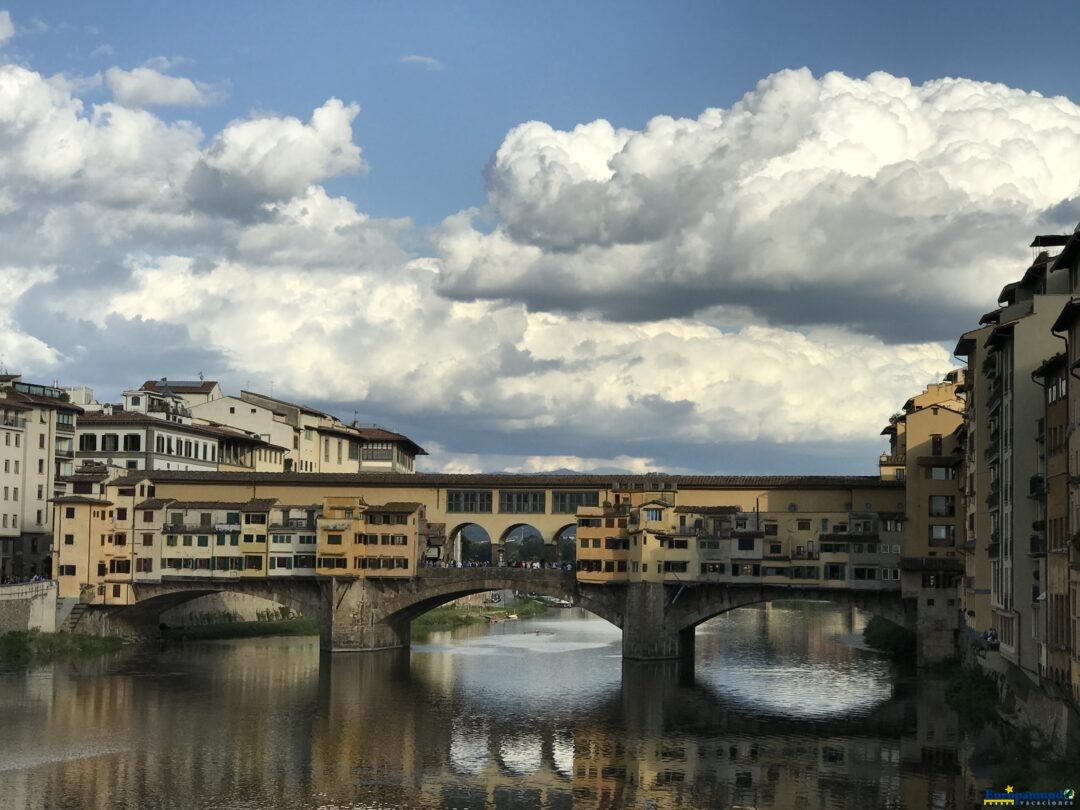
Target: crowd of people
<point>532,564</point>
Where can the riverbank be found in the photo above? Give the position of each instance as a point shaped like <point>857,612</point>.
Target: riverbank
<point>23,646</point>
<point>449,616</point>
<point>222,630</point>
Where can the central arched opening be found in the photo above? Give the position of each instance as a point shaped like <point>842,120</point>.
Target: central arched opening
<point>522,545</point>
<point>566,544</point>
<point>470,543</point>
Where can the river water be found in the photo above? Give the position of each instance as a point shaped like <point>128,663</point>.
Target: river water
<point>780,712</point>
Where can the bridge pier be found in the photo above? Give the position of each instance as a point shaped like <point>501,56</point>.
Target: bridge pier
<point>352,619</point>
<point>647,636</point>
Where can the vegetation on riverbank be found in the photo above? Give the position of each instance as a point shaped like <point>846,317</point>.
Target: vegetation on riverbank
<point>23,646</point>
<point>289,627</point>
<point>973,696</point>
<point>890,638</point>
<point>448,616</point>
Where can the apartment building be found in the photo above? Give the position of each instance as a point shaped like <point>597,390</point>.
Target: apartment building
<point>1067,326</point>
<point>1049,542</point>
<point>155,430</point>
<point>974,480</point>
<point>322,443</point>
<point>816,539</point>
<point>115,530</point>
<point>926,452</point>
<point>1019,342</point>
<point>37,423</point>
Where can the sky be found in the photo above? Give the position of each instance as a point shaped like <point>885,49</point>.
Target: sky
<point>716,237</point>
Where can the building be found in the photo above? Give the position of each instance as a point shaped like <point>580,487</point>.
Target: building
<point>1019,342</point>
<point>974,481</point>
<point>38,424</point>
<point>1049,532</point>
<point>155,430</point>
<point>925,452</point>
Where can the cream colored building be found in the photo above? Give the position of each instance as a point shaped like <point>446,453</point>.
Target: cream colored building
<point>37,423</point>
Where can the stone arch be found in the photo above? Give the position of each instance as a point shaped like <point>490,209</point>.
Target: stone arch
<point>457,551</point>
<point>514,541</point>
<point>565,542</point>
<point>403,602</point>
<point>154,599</point>
<point>707,602</point>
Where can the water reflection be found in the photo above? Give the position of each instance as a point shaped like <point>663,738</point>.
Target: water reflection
<point>540,714</point>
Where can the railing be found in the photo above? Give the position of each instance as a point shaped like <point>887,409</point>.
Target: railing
<point>13,422</point>
<point>993,551</point>
<point>1037,545</point>
<point>897,460</point>
<point>64,453</point>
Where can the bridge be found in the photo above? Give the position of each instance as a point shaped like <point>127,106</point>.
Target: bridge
<point>658,620</point>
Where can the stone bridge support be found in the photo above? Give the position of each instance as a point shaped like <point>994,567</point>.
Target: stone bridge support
<point>658,620</point>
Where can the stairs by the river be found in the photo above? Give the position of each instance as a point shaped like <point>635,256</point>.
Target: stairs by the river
<point>72,619</point>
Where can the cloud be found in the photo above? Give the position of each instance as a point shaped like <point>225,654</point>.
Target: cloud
<point>895,208</point>
<point>103,50</point>
<point>147,87</point>
<point>429,62</point>
<point>132,243</point>
<point>7,30</point>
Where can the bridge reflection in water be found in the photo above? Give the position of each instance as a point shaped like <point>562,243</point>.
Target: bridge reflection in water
<point>489,718</point>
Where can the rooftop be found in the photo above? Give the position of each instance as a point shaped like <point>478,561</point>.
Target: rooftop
<point>179,386</point>
<point>640,482</point>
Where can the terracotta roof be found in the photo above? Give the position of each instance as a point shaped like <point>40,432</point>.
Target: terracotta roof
<point>136,418</point>
<point>154,503</point>
<point>81,499</point>
<point>254,505</point>
<point>1048,365</point>
<point>180,386</point>
<point>275,400</point>
<point>1067,316</point>
<point>707,510</point>
<point>506,481</point>
<point>9,377</point>
<point>374,434</point>
<point>395,506</point>
<point>45,402</point>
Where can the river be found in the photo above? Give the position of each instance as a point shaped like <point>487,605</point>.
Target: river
<point>781,712</point>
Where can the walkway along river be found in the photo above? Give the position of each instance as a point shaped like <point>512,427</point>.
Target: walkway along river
<point>539,713</point>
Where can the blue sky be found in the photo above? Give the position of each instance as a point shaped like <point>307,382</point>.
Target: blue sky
<point>427,134</point>
<point>506,252</point>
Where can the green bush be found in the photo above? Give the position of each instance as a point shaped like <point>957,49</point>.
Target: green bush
<point>36,646</point>
<point>974,697</point>
<point>890,638</point>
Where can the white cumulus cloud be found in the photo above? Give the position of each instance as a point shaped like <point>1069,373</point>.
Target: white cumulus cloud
<point>7,29</point>
<point>147,87</point>
<point>875,202</point>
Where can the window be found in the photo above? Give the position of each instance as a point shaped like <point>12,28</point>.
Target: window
<point>119,566</point>
<point>41,466</point>
<point>775,548</point>
<point>188,539</point>
<point>88,443</point>
<point>67,570</point>
<point>170,539</point>
<point>942,505</point>
<point>132,442</point>
<point>531,502</point>
<point>121,513</point>
<point>468,500</point>
<point>256,519</point>
<point>41,438</point>
<point>144,565</point>
<point>204,541</point>
<point>110,442</point>
<point>803,525</point>
<point>120,539</point>
<point>942,473</point>
<point>654,514</point>
<point>69,539</point>
<point>377,451</point>
<point>148,539</point>
<point>252,562</point>
<point>942,535</point>
<point>69,511</point>
<point>746,544</point>
<point>566,503</point>
<point>333,539</point>
<point>674,567</point>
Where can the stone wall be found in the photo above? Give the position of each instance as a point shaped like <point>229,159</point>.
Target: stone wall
<point>29,606</point>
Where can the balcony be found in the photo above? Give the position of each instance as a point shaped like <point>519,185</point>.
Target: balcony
<point>12,421</point>
<point>802,554</point>
<point>69,453</point>
<point>335,525</point>
<point>896,460</point>
<point>994,399</point>
<point>1037,545</point>
<point>989,366</point>
<point>993,551</point>
<point>1038,525</point>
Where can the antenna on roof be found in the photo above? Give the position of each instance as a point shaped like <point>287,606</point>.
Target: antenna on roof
<point>201,376</point>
